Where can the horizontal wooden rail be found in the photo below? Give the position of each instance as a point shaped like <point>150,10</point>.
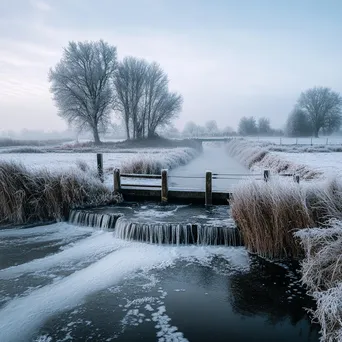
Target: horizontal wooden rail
<point>197,177</point>
<point>237,174</point>
<point>138,175</point>
<point>141,185</point>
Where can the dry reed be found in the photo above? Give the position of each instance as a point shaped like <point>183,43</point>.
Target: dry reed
<point>322,273</point>
<point>27,196</point>
<point>268,213</point>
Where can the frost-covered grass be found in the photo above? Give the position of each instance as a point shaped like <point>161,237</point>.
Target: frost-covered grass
<point>322,273</point>
<point>325,164</point>
<point>35,196</point>
<point>258,156</point>
<point>57,162</point>
<point>268,213</point>
<point>149,163</point>
<point>6,142</point>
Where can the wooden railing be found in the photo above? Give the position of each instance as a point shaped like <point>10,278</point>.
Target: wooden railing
<point>163,187</point>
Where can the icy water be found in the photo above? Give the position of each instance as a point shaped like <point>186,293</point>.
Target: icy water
<point>62,282</point>
<point>214,159</point>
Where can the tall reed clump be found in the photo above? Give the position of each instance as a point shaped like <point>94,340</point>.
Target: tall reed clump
<point>27,196</point>
<point>322,273</point>
<point>153,163</point>
<point>268,213</point>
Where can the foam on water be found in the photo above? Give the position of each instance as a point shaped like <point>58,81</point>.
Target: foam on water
<point>23,316</point>
<point>89,248</point>
<point>57,231</point>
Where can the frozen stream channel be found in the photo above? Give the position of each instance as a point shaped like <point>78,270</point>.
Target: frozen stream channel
<point>61,283</point>
<point>214,159</point>
<point>66,283</point>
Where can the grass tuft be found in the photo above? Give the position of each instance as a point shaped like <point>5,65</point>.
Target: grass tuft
<point>268,213</point>
<point>27,196</point>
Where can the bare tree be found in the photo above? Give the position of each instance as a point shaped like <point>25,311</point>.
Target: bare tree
<point>81,85</point>
<point>264,126</point>
<point>248,126</point>
<point>212,128</point>
<point>143,97</point>
<point>129,84</point>
<point>165,109</point>
<point>298,124</point>
<point>320,104</point>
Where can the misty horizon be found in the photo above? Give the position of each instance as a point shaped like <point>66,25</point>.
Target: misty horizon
<point>227,60</point>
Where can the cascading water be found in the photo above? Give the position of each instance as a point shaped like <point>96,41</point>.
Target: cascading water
<point>180,225</point>
<point>176,233</point>
<point>93,219</point>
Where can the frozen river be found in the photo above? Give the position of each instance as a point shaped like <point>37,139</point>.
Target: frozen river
<point>214,159</point>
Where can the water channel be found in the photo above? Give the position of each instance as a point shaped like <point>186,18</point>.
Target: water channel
<point>64,282</point>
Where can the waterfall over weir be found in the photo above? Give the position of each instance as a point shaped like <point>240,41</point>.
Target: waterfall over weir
<point>176,234</point>
<point>93,219</point>
<point>173,225</point>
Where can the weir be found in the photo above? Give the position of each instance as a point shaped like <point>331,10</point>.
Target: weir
<point>172,225</point>
<point>93,219</point>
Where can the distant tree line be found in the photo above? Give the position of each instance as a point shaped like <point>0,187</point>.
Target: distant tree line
<point>210,128</point>
<point>89,84</point>
<point>318,110</point>
<point>250,126</point>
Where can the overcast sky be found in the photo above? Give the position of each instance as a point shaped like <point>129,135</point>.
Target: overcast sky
<point>227,58</point>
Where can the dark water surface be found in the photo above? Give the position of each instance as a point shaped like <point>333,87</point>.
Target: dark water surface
<point>98,288</point>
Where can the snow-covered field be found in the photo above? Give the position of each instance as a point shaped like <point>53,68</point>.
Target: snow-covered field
<point>329,164</point>
<point>307,161</point>
<point>66,162</point>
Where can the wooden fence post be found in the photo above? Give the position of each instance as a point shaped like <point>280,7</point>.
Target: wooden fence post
<point>100,165</point>
<point>164,186</point>
<point>117,181</point>
<point>266,175</point>
<point>208,188</point>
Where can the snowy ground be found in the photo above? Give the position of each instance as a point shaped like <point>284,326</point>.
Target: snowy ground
<point>66,162</point>
<point>305,160</point>
<point>330,164</point>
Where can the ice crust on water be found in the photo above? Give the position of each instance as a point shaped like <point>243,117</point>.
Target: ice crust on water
<point>22,316</point>
<point>89,248</point>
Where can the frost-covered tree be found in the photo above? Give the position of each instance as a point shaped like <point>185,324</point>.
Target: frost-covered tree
<point>212,128</point>
<point>298,124</point>
<point>190,129</point>
<point>248,126</point>
<point>228,131</point>
<point>143,97</point>
<point>81,84</point>
<point>322,105</point>
<point>264,126</point>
